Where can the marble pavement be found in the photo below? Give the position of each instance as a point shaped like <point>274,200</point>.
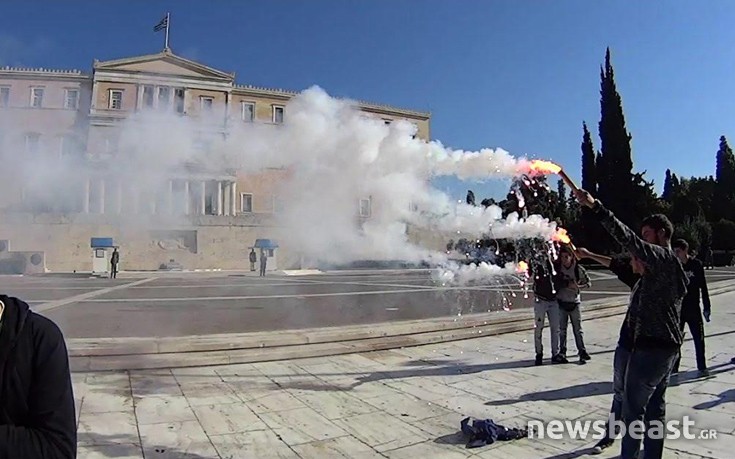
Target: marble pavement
<point>402,403</point>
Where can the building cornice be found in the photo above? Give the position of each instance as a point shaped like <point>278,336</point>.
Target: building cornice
<point>43,73</point>
<point>284,94</point>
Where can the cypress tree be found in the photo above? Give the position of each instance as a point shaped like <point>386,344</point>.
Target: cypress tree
<point>668,192</point>
<point>615,171</point>
<point>589,173</point>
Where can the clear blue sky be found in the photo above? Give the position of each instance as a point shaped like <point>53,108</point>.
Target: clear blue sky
<point>521,75</point>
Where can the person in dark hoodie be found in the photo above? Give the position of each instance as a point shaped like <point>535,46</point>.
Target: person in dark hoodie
<point>629,271</point>
<point>37,418</point>
<point>691,312</point>
<point>653,318</point>
<point>545,305</point>
<point>570,278</point>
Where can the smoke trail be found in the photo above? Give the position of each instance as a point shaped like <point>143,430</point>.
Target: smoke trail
<point>337,163</point>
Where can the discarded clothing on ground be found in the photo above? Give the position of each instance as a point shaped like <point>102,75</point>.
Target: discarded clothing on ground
<point>485,432</point>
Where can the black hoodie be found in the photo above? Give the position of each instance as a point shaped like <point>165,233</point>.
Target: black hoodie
<point>37,419</point>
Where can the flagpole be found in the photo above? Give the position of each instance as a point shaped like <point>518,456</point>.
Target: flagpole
<point>168,24</point>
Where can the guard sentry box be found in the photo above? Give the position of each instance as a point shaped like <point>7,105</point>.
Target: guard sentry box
<point>102,248</point>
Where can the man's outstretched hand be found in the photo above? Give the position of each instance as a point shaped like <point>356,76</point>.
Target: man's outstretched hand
<point>581,252</point>
<point>584,198</point>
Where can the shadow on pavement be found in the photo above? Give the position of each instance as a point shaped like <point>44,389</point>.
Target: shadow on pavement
<point>575,454</point>
<point>724,397</point>
<point>577,391</point>
<point>117,445</point>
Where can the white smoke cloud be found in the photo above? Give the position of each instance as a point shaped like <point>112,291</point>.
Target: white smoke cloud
<point>336,155</point>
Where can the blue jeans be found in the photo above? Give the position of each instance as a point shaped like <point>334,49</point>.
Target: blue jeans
<point>620,365</point>
<point>644,398</point>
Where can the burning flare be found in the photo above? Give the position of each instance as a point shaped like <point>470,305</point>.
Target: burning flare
<point>543,167</point>
<point>522,267</point>
<point>562,236</point>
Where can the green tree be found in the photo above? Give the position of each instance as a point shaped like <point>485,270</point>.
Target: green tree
<point>615,171</point>
<point>668,192</point>
<point>725,178</point>
<point>589,173</point>
<point>723,235</point>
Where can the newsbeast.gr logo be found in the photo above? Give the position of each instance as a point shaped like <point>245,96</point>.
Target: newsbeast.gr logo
<point>596,430</point>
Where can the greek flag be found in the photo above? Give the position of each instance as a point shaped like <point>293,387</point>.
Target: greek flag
<point>163,25</point>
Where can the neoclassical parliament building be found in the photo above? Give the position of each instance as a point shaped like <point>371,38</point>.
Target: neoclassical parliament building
<point>77,114</point>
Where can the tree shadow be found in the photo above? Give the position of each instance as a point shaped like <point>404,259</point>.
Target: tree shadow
<point>119,445</point>
<point>575,454</point>
<point>565,393</point>
<point>724,397</point>
<point>457,438</point>
<point>438,368</point>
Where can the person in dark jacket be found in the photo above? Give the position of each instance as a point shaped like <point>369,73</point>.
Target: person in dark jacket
<point>653,317</point>
<point>545,305</point>
<point>263,262</point>
<point>253,258</point>
<point>570,278</point>
<point>114,262</point>
<point>37,419</point>
<point>691,312</point>
<point>629,271</point>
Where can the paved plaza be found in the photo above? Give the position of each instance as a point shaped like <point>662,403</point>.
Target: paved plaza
<point>182,304</point>
<point>402,403</point>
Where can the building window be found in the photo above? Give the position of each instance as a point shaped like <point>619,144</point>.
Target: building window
<point>69,146</point>
<point>148,96</point>
<point>4,97</point>
<point>179,100</point>
<point>71,99</point>
<point>277,205</point>
<point>278,111</point>
<point>116,99</point>
<point>246,202</point>
<point>164,98</point>
<point>206,103</point>
<point>33,142</point>
<point>387,121</point>
<point>36,97</point>
<point>248,111</point>
<point>365,208</point>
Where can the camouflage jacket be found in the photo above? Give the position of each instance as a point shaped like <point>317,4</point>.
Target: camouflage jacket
<point>655,303</point>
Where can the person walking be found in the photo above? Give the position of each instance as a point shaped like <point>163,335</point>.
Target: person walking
<point>571,277</point>
<point>691,312</point>
<point>114,263</point>
<point>253,258</point>
<point>263,262</point>
<point>654,321</point>
<point>545,305</point>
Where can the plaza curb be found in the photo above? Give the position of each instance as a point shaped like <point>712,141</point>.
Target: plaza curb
<point>132,353</point>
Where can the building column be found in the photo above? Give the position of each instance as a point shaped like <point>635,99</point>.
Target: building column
<point>233,199</point>
<point>139,102</point>
<point>228,107</point>
<point>85,202</point>
<point>187,198</point>
<point>203,199</point>
<point>135,197</point>
<point>102,196</point>
<point>171,197</point>
<point>119,196</point>
<point>227,201</point>
<point>219,197</point>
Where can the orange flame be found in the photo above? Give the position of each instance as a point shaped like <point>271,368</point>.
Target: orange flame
<point>544,167</point>
<point>561,236</point>
<point>522,267</point>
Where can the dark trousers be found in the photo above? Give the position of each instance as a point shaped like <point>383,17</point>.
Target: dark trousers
<point>574,316</point>
<point>644,398</point>
<point>262,269</point>
<point>620,365</point>
<point>252,266</point>
<point>113,272</point>
<point>696,328</point>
